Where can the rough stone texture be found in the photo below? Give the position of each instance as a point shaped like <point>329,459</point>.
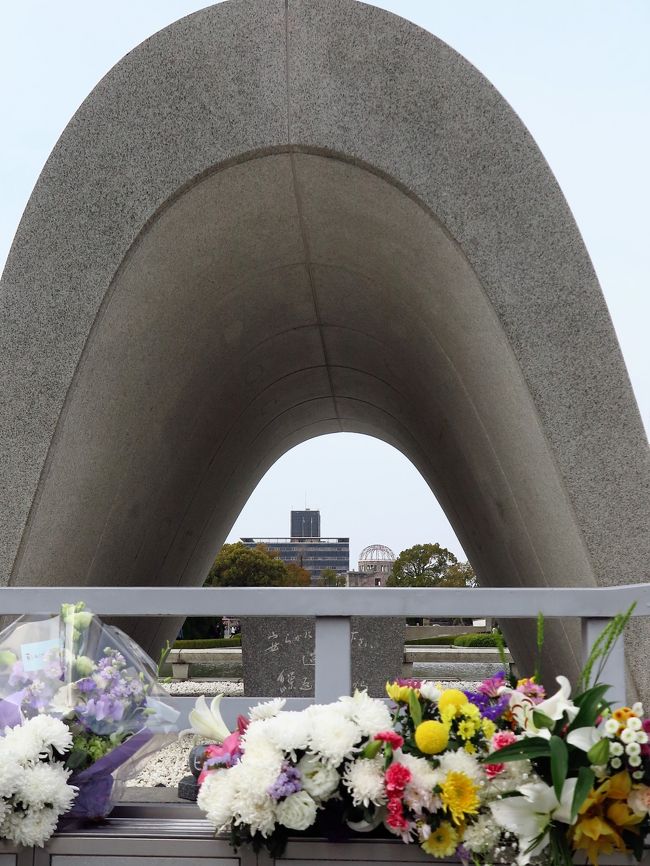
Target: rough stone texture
<point>377,652</point>
<point>268,223</point>
<point>278,656</point>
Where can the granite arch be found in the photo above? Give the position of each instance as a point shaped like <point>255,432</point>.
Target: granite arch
<point>278,219</point>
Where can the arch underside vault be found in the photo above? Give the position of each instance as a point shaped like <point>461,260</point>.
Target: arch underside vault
<point>242,263</point>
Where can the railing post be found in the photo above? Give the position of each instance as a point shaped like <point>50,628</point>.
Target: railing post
<point>613,673</point>
<point>333,658</point>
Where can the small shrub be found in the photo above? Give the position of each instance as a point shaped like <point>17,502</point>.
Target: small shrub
<point>476,640</point>
<point>208,643</point>
<point>438,640</point>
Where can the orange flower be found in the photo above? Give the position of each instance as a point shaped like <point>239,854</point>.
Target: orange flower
<point>603,816</point>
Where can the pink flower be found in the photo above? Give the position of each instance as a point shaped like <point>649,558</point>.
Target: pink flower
<point>396,818</point>
<point>396,779</point>
<point>502,739</point>
<point>492,770</point>
<point>224,755</point>
<point>531,689</point>
<point>391,738</point>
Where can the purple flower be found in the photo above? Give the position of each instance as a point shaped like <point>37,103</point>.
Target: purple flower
<point>87,684</point>
<point>288,782</point>
<point>490,687</point>
<point>488,709</point>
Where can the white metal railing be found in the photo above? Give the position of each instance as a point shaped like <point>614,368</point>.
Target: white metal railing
<point>333,608</point>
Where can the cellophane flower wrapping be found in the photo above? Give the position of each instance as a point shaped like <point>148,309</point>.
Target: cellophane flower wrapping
<point>100,684</point>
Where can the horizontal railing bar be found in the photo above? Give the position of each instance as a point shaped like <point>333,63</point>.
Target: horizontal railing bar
<point>279,601</point>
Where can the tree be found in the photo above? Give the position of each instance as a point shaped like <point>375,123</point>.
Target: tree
<point>460,574</point>
<point>424,565</point>
<point>239,565</point>
<point>297,575</point>
<point>330,577</point>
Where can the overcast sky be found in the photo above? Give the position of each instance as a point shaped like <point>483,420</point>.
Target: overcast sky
<point>577,73</point>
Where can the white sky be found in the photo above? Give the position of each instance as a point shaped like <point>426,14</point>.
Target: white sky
<point>577,73</point>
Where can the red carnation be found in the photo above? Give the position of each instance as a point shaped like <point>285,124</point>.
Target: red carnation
<point>397,778</point>
<point>391,738</point>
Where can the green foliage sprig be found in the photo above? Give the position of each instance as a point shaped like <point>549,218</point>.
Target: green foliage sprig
<point>602,648</point>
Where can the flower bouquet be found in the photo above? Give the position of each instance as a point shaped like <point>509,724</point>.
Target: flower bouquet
<point>99,683</point>
<point>499,775</point>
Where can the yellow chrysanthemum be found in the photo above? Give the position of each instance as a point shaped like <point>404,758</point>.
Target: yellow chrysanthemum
<point>448,714</point>
<point>442,841</point>
<point>452,698</point>
<point>432,737</point>
<point>397,693</point>
<point>466,729</point>
<point>459,796</point>
<point>470,748</point>
<point>470,711</point>
<point>489,728</point>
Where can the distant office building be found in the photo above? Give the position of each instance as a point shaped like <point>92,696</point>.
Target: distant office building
<point>305,524</point>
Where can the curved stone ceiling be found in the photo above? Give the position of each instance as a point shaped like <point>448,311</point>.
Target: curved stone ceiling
<point>270,223</point>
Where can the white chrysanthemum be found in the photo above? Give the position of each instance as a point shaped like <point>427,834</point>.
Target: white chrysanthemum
<point>297,812</point>
<point>364,779</point>
<point>634,760</point>
<point>266,710</point>
<point>51,733</point>
<point>288,731</point>
<point>616,749</point>
<point>258,747</point>
<point>215,798</point>
<point>628,736</point>
<point>637,709</point>
<point>255,808</point>
<point>318,779</point>
<point>33,827</point>
<point>641,737</point>
<point>10,774</point>
<point>45,784</point>
<point>633,749</point>
<point>459,762</point>
<point>430,691</point>
<point>333,737</point>
<point>22,744</point>
<point>369,714</point>
<point>481,836</point>
<point>610,727</point>
<point>634,724</point>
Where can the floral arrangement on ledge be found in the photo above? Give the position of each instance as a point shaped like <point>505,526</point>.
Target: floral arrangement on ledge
<point>79,705</point>
<point>497,776</point>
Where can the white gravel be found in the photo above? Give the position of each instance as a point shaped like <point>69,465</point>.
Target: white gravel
<point>190,688</point>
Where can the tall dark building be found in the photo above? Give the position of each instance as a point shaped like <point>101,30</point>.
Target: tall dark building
<point>306,548</point>
<point>305,524</point>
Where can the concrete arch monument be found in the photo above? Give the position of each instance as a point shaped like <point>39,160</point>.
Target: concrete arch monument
<point>274,220</point>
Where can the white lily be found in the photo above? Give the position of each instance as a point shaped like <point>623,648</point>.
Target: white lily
<point>207,722</point>
<point>584,738</point>
<point>529,816</point>
<point>559,704</point>
<point>554,708</point>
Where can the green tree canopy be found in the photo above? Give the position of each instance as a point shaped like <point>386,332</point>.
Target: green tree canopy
<point>330,577</point>
<point>239,565</point>
<point>429,565</point>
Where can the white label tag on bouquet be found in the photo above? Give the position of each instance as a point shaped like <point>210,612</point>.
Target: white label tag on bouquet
<point>33,654</point>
